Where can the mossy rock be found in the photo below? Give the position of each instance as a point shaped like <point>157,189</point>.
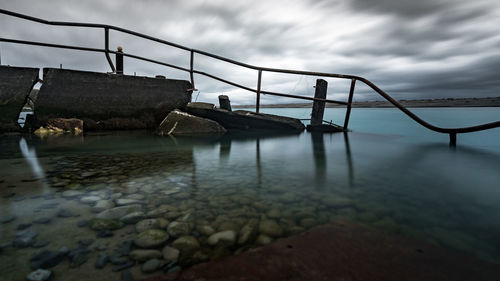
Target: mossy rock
<point>100,224</point>
<point>151,238</point>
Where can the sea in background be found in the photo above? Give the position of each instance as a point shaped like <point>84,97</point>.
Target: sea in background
<point>387,172</point>
<point>393,122</point>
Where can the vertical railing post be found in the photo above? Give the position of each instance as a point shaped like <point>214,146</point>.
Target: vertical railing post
<point>106,48</point>
<point>349,103</point>
<point>191,69</point>
<point>119,60</point>
<point>257,102</point>
<point>453,139</point>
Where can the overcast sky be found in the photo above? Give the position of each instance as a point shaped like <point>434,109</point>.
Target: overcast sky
<point>411,49</point>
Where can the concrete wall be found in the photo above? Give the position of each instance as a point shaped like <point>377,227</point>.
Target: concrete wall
<point>15,84</point>
<point>109,101</point>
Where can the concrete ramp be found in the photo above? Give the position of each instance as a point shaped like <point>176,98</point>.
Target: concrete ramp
<point>15,85</point>
<point>109,101</point>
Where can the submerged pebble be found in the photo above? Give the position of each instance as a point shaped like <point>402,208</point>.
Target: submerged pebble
<point>127,276</point>
<point>39,275</point>
<point>151,238</point>
<point>40,244</point>
<point>25,238</point>
<point>64,213</point>
<point>152,265</point>
<point>47,259</point>
<point>44,220</point>
<point>121,267</point>
<point>144,255</point>
<point>7,219</point>
<point>227,237</point>
<point>102,260</point>
<point>170,254</point>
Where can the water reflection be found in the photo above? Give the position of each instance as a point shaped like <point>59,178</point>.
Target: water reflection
<point>319,155</point>
<point>29,155</point>
<point>349,159</point>
<point>292,182</point>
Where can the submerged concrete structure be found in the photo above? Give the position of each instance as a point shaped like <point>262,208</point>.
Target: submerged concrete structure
<point>242,120</point>
<point>109,101</point>
<point>15,85</point>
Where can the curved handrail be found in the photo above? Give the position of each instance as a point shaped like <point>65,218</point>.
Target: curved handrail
<point>191,70</point>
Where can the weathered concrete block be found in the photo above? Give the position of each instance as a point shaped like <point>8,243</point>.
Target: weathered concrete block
<point>180,123</point>
<point>109,101</point>
<point>15,85</point>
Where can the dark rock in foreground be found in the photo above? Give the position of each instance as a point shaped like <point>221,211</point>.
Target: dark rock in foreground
<point>343,251</point>
<point>242,120</point>
<point>179,123</point>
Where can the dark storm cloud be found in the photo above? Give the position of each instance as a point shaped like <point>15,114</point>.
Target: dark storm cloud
<point>411,49</point>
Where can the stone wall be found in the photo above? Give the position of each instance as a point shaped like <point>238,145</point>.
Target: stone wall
<point>15,84</point>
<point>109,101</point>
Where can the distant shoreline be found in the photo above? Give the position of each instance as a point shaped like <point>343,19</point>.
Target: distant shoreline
<point>463,102</point>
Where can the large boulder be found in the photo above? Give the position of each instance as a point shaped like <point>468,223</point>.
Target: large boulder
<point>57,126</point>
<point>180,123</point>
<point>15,86</point>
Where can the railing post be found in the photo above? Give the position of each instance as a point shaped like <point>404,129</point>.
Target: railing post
<point>191,68</point>
<point>349,103</point>
<point>453,139</point>
<point>106,48</point>
<point>257,103</point>
<point>119,60</point>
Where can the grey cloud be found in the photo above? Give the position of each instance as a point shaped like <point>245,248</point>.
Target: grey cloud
<point>386,41</point>
<point>401,8</point>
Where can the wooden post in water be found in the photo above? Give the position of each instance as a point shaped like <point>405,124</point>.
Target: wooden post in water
<point>319,106</point>
<point>224,102</point>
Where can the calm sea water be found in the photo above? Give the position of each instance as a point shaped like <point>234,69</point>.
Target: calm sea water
<point>388,173</point>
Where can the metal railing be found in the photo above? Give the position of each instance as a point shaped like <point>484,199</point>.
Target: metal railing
<point>106,28</point>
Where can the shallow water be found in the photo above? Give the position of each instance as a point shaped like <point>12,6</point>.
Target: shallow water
<point>387,173</point>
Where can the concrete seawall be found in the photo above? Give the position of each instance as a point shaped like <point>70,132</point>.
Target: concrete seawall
<point>109,101</point>
<point>15,85</point>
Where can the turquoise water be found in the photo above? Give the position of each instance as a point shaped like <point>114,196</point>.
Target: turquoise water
<point>387,172</point>
<point>390,121</point>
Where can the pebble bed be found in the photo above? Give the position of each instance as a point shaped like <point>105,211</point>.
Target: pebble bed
<point>129,216</point>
